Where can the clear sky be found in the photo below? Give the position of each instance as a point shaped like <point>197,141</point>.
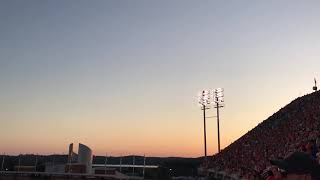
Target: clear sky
<point>123,76</point>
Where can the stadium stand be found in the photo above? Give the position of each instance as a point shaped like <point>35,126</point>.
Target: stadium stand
<point>293,128</point>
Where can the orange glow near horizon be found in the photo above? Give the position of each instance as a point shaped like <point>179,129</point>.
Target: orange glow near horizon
<point>125,80</point>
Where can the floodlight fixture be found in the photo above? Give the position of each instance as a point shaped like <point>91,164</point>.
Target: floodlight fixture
<point>218,95</point>
<point>205,98</point>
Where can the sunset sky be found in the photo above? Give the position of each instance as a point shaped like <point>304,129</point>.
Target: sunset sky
<point>123,76</point>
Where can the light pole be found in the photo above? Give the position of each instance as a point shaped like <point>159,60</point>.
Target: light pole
<point>2,161</point>
<point>121,163</point>
<point>205,100</point>
<point>105,164</point>
<point>19,164</point>
<point>144,165</point>
<point>133,163</point>
<point>218,99</point>
<point>315,85</point>
<point>53,162</point>
<point>35,164</point>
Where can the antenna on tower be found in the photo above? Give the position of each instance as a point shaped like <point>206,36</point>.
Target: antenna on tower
<point>315,85</point>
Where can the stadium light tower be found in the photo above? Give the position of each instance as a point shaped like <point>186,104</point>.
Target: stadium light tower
<point>205,99</point>
<point>218,98</point>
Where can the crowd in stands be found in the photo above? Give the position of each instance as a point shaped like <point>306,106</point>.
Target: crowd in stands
<point>293,128</point>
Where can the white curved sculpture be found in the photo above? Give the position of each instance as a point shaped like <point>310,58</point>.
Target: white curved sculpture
<point>85,156</point>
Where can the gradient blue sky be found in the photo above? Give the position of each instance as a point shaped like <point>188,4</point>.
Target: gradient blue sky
<point>123,76</point>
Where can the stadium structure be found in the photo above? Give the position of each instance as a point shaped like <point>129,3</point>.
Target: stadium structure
<point>295,127</point>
